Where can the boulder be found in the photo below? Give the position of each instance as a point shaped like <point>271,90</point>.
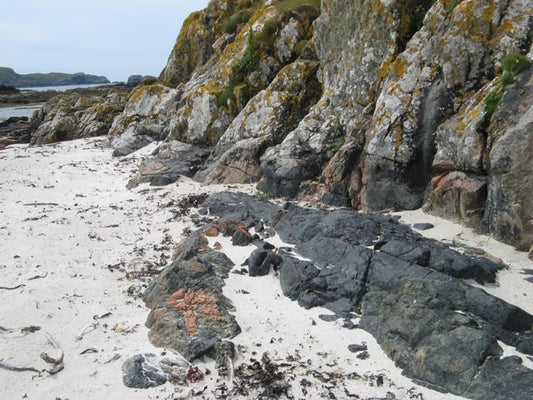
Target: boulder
<point>14,130</point>
<point>458,196</point>
<point>189,313</point>
<point>170,161</point>
<point>74,116</point>
<point>143,371</point>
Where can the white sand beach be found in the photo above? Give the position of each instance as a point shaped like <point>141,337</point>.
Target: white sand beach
<point>76,246</point>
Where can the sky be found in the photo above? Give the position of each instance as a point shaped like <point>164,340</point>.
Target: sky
<point>114,38</point>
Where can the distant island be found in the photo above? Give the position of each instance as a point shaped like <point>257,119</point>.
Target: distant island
<point>9,77</point>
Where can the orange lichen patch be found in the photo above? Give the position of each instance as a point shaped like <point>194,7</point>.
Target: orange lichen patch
<point>398,138</point>
<point>211,231</point>
<point>151,89</point>
<point>191,303</point>
<point>155,315</point>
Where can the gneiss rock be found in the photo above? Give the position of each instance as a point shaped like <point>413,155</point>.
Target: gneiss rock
<point>170,161</point>
<point>14,130</point>
<point>189,312</point>
<point>142,372</point>
<point>509,203</point>
<point>74,115</point>
<point>438,329</point>
<point>148,370</point>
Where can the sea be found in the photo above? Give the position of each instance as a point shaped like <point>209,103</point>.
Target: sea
<point>20,111</point>
<point>27,111</point>
<point>62,88</point>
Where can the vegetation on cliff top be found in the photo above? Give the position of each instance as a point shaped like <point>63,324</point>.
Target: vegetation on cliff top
<point>9,77</point>
<point>260,44</point>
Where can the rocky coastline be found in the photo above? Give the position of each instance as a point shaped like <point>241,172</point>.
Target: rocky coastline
<point>359,109</point>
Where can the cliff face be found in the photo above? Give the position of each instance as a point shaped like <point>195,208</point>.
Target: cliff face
<point>403,117</point>
<point>376,104</point>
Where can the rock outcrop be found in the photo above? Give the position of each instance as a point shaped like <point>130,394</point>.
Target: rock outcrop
<point>509,161</point>
<point>14,130</point>
<point>376,105</point>
<point>410,293</point>
<point>75,115</point>
<point>189,312</point>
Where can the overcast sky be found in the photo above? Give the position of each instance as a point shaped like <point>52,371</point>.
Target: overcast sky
<point>115,38</point>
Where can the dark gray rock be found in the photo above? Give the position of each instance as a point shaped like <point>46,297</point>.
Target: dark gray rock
<point>14,130</point>
<point>241,237</point>
<point>409,290</point>
<point>440,258</point>
<point>239,207</point>
<point>355,348</point>
<point>258,263</point>
<point>506,378</point>
<point>423,226</point>
<point>141,372</point>
<point>224,352</point>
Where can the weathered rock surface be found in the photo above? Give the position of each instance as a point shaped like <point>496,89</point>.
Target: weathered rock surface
<point>74,116</point>
<point>170,161</point>
<point>509,212</point>
<point>377,105</point>
<point>189,313</point>
<point>460,196</point>
<point>409,290</point>
<point>14,130</point>
<point>148,370</point>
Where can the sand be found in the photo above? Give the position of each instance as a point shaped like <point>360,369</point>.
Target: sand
<point>76,239</point>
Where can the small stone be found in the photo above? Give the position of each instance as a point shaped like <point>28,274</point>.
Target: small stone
<point>268,246</point>
<point>328,317</point>
<point>423,226</point>
<point>241,237</point>
<point>142,372</point>
<point>355,348</point>
<point>348,324</point>
<point>363,355</point>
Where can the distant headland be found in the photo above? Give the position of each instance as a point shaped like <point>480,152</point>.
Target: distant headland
<point>9,77</point>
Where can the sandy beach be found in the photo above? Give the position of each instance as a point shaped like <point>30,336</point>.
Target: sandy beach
<point>78,249</point>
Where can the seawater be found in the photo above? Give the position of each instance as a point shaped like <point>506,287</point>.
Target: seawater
<point>62,88</point>
<point>27,111</point>
<point>6,112</point>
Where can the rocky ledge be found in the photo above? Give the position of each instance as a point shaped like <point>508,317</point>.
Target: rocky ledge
<point>14,130</point>
<point>410,292</point>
